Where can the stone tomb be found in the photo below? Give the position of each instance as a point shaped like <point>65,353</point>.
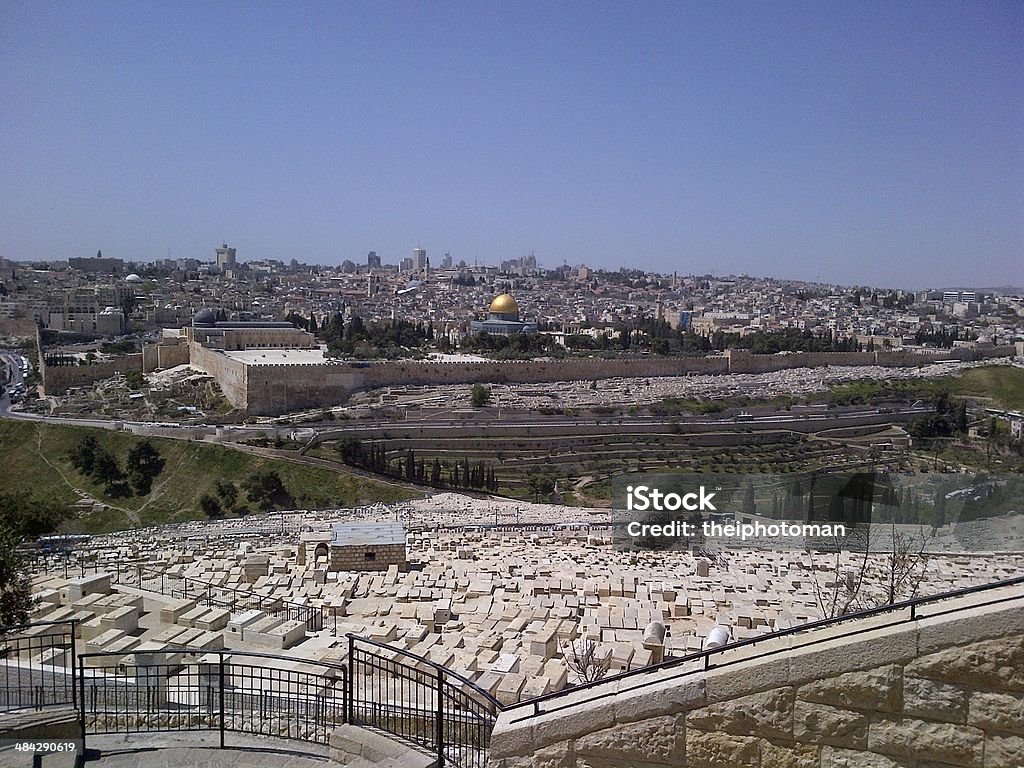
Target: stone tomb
<point>367,547</point>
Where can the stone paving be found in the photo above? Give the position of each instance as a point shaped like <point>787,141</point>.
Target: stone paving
<point>184,750</point>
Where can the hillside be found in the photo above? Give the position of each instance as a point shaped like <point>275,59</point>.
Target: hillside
<point>998,385</point>
<point>34,457</point>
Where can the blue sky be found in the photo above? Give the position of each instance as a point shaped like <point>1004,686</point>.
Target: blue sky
<point>851,142</point>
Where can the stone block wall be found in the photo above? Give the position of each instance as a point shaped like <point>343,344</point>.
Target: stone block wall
<point>272,389</point>
<point>354,557</point>
<point>230,374</point>
<point>936,693</point>
<point>164,355</point>
<point>57,379</point>
<point>282,388</point>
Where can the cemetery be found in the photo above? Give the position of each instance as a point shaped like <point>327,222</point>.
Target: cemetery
<point>496,591</point>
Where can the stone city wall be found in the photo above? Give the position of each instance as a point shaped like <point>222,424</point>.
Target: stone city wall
<point>280,388</point>
<point>536,372</point>
<point>164,356</point>
<point>58,379</point>
<point>17,326</point>
<point>937,692</point>
<point>272,389</point>
<point>230,374</point>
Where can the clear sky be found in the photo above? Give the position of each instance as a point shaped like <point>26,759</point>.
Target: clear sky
<point>874,143</point>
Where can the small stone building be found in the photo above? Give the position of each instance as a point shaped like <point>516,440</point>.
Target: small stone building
<point>367,547</point>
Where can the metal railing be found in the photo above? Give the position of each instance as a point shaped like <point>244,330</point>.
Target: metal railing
<point>396,691</point>
<point>315,617</point>
<point>419,701</point>
<point>190,689</point>
<point>701,661</point>
<point>74,563</point>
<point>37,665</point>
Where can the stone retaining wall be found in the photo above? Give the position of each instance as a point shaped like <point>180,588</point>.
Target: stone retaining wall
<point>278,388</point>
<point>58,379</point>
<point>935,693</point>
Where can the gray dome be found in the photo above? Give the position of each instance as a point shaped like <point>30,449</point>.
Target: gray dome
<point>204,316</point>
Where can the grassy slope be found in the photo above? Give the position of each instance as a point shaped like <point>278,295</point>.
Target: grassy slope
<point>191,470</point>
<point>1002,384</point>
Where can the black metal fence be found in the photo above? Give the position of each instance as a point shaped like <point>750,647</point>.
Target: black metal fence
<point>72,564</point>
<point>903,612</point>
<point>417,700</point>
<point>390,689</point>
<point>315,617</point>
<point>37,665</point>
<point>188,689</point>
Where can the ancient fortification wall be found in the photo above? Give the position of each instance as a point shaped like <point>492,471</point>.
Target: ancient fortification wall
<point>164,356</point>
<point>230,374</point>
<point>17,326</point>
<point>282,388</point>
<point>273,389</point>
<point>535,372</point>
<point>941,691</point>
<point>60,378</point>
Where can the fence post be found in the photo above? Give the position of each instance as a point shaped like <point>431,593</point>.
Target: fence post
<point>350,680</point>
<point>74,667</point>
<point>220,656</point>
<point>81,698</point>
<point>440,718</point>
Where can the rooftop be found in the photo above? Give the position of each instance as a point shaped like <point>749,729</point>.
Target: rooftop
<point>278,356</point>
<point>361,534</point>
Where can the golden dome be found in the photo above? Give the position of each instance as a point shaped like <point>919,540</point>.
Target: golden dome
<point>504,305</point>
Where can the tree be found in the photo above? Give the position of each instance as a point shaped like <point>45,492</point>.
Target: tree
<point>210,505</point>
<point>480,395</point>
<point>351,450</point>
<point>143,465</point>
<point>83,455</point>
<point>228,493</point>
<point>749,507</point>
<point>15,584</point>
<point>106,470</point>
<point>892,575</point>
<point>582,659</point>
<point>960,412</point>
<point>28,517</point>
<point>263,488</point>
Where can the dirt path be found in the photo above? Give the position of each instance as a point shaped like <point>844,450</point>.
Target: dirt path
<point>82,494</point>
<point>155,493</point>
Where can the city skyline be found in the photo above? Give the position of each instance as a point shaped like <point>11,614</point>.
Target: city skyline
<point>831,145</point>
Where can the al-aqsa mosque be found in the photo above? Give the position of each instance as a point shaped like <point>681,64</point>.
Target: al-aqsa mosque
<point>502,319</point>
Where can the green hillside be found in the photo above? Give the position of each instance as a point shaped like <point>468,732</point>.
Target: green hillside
<point>34,458</point>
<point>1002,385</point>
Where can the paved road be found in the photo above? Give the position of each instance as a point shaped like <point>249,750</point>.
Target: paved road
<point>12,362</point>
<point>186,750</point>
